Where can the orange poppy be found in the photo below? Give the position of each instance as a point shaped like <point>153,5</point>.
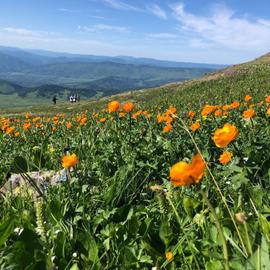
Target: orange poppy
<point>26,126</point>
<point>247,98</point>
<point>207,109</point>
<point>167,128</point>
<point>68,125</point>
<point>159,118</point>
<point>225,158</point>
<point>10,130</point>
<point>128,107</point>
<point>248,113</point>
<point>69,161</point>
<point>235,105</point>
<point>195,126</point>
<point>183,174</point>
<point>223,136</point>
<point>218,113</point>
<point>191,114</point>
<point>113,106</point>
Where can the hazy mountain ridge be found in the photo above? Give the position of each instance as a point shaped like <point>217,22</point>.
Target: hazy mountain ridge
<point>41,74</point>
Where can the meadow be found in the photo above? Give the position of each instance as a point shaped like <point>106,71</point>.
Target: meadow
<point>170,178</point>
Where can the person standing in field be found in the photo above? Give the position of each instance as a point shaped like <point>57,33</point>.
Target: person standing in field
<point>54,100</point>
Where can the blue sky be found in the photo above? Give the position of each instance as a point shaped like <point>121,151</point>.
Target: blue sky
<point>225,32</point>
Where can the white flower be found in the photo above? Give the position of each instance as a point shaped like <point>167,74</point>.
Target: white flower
<point>18,230</point>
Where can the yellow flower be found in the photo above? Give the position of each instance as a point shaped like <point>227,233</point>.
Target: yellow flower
<point>69,161</point>
<point>169,256</point>
<point>51,150</point>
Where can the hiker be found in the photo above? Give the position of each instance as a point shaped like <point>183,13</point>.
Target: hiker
<point>54,100</point>
<point>71,99</point>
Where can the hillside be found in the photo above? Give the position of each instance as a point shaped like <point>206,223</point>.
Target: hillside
<point>175,178</point>
<point>221,86</point>
<point>40,74</point>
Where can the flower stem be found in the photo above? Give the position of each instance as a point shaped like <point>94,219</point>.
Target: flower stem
<point>220,230</point>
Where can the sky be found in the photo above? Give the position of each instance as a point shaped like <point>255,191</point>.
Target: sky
<point>203,31</point>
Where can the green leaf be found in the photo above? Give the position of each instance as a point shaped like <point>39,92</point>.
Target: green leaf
<point>74,267</point>
<point>214,265</point>
<point>19,165</point>
<point>6,229</point>
<point>165,233</point>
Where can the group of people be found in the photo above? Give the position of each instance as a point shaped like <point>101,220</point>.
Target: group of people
<point>74,98</point>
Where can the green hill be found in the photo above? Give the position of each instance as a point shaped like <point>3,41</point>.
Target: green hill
<point>234,82</point>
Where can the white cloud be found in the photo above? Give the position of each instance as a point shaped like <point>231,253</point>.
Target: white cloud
<point>68,10</point>
<point>104,27</point>
<point>20,31</point>
<point>162,35</point>
<point>157,11</point>
<point>222,27</point>
<point>153,8</point>
<point>121,5</point>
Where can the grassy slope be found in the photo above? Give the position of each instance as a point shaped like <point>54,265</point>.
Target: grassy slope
<point>218,87</point>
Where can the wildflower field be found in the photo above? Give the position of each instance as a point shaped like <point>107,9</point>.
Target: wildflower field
<point>175,184</point>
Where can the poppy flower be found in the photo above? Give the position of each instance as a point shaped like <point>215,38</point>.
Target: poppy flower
<point>223,136</point>
<point>128,107</point>
<point>167,128</point>
<point>10,130</point>
<point>235,105</point>
<point>247,98</point>
<point>218,113</point>
<point>159,118</point>
<point>191,114</point>
<point>225,158</point>
<point>248,113</point>
<point>183,174</point>
<point>69,161</point>
<point>69,125</point>
<point>113,106</point>
<point>195,126</point>
<point>26,126</point>
<point>207,110</point>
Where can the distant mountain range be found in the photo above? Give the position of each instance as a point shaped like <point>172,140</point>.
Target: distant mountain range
<point>43,73</point>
